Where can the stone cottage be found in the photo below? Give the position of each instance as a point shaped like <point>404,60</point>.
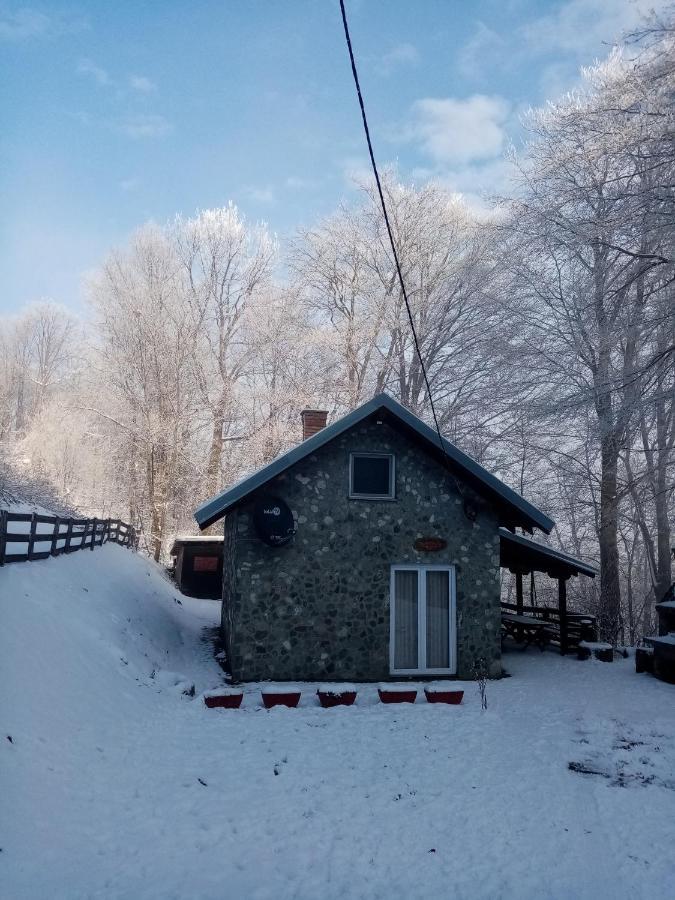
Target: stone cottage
<point>367,552</point>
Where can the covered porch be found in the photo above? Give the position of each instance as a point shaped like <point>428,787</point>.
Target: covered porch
<point>543,625</point>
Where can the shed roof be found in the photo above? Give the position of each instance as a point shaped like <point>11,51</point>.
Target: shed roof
<point>200,540</point>
<point>517,552</point>
<point>516,511</point>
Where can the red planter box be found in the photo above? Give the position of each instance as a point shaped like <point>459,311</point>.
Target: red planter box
<point>452,697</point>
<point>397,696</point>
<point>329,699</point>
<point>290,699</point>
<point>224,701</point>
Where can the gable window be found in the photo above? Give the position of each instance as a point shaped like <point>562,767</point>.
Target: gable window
<point>372,476</point>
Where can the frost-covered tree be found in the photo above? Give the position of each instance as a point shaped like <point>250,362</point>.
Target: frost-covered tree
<point>225,263</point>
<point>590,265</point>
<point>147,342</point>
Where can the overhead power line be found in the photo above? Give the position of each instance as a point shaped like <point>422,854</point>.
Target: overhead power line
<point>376,173</point>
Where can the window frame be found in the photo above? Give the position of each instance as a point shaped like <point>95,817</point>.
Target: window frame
<point>422,619</point>
<point>392,475</point>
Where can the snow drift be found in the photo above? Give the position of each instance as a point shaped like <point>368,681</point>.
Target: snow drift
<point>117,784</point>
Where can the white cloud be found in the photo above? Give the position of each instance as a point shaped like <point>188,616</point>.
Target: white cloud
<point>584,26</point>
<point>295,183</point>
<point>453,131</point>
<point>482,47</point>
<point>480,183</point>
<point>25,23</point>
<point>577,33</point>
<point>148,126</point>
<point>100,76</point>
<point>355,170</point>
<point>261,194</point>
<point>403,54</point>
<point>142,84</point>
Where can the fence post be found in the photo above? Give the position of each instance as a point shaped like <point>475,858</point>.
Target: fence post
<point>69,534</point>
<point>562,606</point>
<point>55,536</point>
<point>3,535</point>
<point>93,532</point>
<point>31,536</point>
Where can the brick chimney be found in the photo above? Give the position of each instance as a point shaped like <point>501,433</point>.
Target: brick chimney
<point>313,420</point>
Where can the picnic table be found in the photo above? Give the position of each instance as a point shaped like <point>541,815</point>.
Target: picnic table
<point>525,629</point>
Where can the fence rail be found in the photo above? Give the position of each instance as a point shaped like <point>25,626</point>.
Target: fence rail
<point>43,536</point>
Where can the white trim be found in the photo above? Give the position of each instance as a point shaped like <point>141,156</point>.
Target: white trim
<point>422,619</point>
<point>392,476</point>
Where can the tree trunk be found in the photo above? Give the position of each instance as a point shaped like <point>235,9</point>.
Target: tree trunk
<point>610,592</point>
<point>156,478</point>
<point>216,448</point>
<point>663,552</point>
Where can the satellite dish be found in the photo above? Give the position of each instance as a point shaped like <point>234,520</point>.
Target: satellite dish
<point>273,521</point>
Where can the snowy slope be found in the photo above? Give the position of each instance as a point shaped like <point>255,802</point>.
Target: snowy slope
<point>117,785</point>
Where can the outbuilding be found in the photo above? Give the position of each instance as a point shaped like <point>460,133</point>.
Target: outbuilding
<point>197,565</point>
<point>370,551</point>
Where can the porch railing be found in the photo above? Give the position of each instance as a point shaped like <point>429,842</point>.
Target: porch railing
<point>562,629</point>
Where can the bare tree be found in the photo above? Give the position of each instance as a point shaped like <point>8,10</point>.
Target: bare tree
<point>147,344</point>
<point>587,267</point>
<point>226,262</point>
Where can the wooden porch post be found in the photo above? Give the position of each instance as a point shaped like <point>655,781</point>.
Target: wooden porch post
<point>519,593</point>
<point>562,609</point>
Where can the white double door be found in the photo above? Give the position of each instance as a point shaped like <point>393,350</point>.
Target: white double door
<point>423,621</point>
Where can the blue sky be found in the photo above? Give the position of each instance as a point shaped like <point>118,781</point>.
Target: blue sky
<point>116,113</point>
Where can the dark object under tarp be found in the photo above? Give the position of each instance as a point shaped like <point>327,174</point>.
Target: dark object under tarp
<point>197,566</point>
<point>663,644</point>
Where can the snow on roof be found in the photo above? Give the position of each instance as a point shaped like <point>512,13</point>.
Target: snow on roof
<point>662,638</point>
<point>203,539</point>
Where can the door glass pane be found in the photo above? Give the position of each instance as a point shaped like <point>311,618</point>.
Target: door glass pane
<point>438,620</point>
<point>405,620</point>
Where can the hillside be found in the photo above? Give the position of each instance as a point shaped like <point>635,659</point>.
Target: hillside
<point>116,784</point>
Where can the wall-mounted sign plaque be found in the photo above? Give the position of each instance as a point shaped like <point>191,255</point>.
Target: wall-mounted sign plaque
<point>205,564</point>
<point>430,544</point>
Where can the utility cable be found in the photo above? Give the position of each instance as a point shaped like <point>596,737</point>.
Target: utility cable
<point>376,173</point>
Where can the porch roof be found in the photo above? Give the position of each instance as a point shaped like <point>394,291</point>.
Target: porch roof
<point>521,554</point>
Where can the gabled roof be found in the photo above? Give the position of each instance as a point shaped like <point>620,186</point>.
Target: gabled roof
<point>519,552</point>
<point>516,511</point>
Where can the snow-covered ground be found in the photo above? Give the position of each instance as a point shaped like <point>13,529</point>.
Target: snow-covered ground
<point>116,784</point>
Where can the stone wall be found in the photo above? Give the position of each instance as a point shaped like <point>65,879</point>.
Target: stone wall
<point>318,608</point>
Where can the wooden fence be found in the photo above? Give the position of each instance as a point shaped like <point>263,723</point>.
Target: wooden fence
<point>43,536</point>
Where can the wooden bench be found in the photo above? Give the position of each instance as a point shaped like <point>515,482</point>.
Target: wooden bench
<point>541,625</point>
<point>524,630</point>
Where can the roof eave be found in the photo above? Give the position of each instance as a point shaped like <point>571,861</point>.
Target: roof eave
<point>525,514</point>
<point>555,557</point>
